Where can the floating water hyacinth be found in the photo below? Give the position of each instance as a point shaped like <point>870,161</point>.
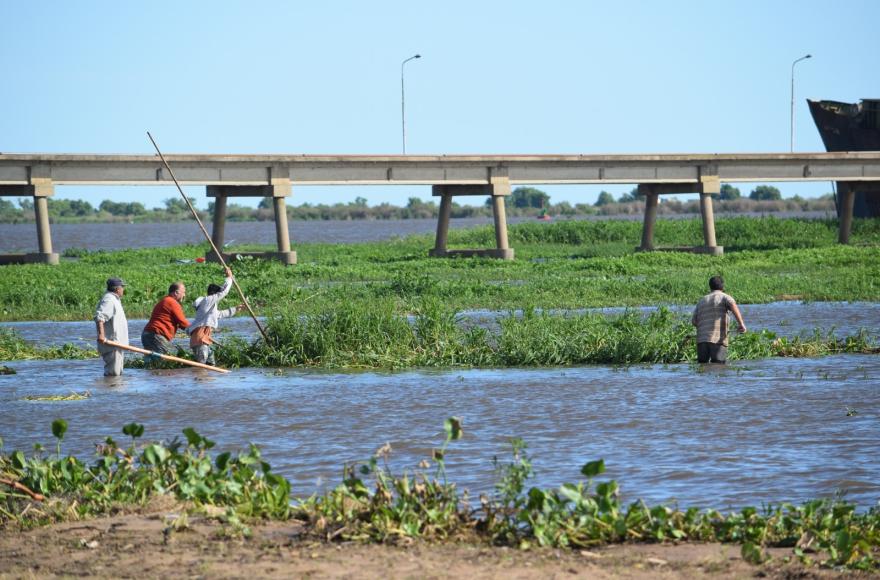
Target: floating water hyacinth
<point>73,396</point>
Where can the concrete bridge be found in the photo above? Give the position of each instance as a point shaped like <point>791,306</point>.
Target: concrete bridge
<point>274,176</point>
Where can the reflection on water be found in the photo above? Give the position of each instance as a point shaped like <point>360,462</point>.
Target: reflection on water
<point>770,430</point>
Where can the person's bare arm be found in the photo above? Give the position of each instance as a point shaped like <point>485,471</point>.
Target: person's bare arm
<point>736,314</point>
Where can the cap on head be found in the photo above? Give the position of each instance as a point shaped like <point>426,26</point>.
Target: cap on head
<point>214,289</point>
<point>113,283</point>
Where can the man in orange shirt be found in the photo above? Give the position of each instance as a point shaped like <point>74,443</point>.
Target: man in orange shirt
<point>167,317</point>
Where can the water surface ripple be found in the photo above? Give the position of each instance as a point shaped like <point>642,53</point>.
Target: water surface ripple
<point>759,431</point>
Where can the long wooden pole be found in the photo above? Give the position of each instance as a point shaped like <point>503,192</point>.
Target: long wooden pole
<point>184,361</point>
<point>208,237</point>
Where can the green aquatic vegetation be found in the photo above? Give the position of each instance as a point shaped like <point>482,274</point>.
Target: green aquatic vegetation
<point>13,347</point>
<point>566,264</point>
<point>551,340</point>
<point>73,396</point>
<point>380,336</point>
<point>70,488</point>
<point>351,336</point>
<point>374,504</point>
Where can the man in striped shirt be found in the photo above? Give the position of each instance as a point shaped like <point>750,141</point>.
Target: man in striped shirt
<point>710,318</point>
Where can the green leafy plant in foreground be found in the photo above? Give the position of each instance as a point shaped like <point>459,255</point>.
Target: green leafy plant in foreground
<point>388,507</point>
<point>373,504</point>
<point>242,482</point>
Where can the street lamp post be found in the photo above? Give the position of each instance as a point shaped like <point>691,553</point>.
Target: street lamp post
<point>806,56</point>
<point>403,100</point>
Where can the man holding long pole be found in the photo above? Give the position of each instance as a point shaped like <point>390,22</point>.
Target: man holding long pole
<point>111,324</point>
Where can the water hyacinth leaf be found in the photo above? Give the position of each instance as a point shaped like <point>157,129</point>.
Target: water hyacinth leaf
<point>192,437</point>
<point>571,492</point>
<point>537,497</point>
<point>453,428</point>
<point>608,489</point>
<point>593,468</point>
<point>222,460</point>
<point>133,430</point>
<point>59,428</point>
<point>155,454</point>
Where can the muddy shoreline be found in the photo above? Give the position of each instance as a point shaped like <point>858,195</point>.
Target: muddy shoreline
<point>150,544</point>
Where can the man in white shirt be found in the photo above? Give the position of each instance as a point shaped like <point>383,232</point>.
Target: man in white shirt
<point>207,318</point>
<point>112,325</point>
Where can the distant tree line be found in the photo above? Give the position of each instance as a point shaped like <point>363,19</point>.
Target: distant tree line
<point>523,201</point>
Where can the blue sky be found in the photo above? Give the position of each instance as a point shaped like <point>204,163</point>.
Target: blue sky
<point>495,77</point>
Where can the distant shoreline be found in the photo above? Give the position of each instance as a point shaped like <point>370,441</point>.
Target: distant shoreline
<point>22,237</point>
<point>77,211</point>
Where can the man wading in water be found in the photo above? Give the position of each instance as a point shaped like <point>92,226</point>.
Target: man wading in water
<point>207,318</point>
<point>112,325</point>
<point>166,318</point>
<point>710,318</point>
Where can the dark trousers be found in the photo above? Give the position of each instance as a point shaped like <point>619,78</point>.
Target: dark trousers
<point>155,342</point>
<point>711,352</point>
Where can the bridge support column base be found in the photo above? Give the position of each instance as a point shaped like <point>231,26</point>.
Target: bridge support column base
<point>496,253</point>
<point>286,258</point>
<point>32,258</point>
<point>709,250</point>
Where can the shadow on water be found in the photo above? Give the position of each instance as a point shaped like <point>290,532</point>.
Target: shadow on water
<point>760,431</point>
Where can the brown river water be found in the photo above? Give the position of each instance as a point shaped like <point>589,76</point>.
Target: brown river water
<point>751,432</point>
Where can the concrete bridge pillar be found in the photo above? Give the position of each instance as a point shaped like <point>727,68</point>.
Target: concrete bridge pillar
<point>706,187</point>
<point>281,233</point>
<point>40,189</point>
<point>443,225</point>
<point>44,233</point>
<point>218,232</point>
<point>709,185</point>
<point>279,189</point>
<point>847,202</point>
<point>652,198</point>
<point>498,188</point>
<point>708,220</point>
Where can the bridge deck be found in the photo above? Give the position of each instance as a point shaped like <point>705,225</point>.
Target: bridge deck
<point>450,175</point>
<point>61,169</point>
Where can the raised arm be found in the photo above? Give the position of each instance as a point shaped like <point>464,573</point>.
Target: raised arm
<point>227,285</point>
